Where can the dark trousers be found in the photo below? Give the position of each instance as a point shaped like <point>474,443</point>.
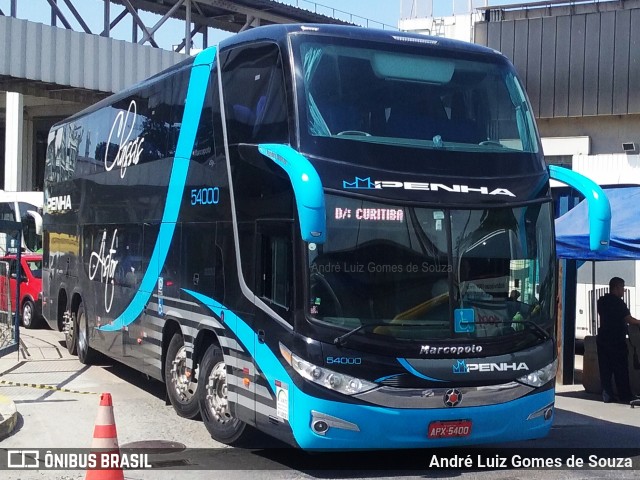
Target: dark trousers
<point>613,363</point>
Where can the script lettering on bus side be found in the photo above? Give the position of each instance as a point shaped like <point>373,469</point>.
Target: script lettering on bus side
<point>129,151</point>
<point>105,260</point>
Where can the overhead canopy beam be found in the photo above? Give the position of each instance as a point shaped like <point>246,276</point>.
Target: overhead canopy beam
<point>258,13</point>
<point>139,21</point>
<point>116,20</point>
<point>75,13</point>
<point>55,11</point>
<point>160,22</point>
<point>198,15</point>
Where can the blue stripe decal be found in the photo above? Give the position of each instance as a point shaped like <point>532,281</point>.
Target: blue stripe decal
<point>307,188</point>
<point>271,368</point>
<point>382,379</point>
<point>413,371</point>
<point>384,427</point>
<point>198,82</point>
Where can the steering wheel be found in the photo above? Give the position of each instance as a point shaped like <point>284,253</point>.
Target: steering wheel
<point>318,277</point>
<point>354,132</point>
<point>493,143</point>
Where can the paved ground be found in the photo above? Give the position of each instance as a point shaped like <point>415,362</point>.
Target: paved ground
<point>57,399</point>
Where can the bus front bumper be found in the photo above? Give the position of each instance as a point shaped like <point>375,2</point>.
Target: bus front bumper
<point>328,425</point>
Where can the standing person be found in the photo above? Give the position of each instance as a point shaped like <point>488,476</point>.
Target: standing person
<point>611,341</point>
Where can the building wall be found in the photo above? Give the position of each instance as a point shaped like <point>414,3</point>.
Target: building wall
<point>577,65</point>
<point>606,132</point>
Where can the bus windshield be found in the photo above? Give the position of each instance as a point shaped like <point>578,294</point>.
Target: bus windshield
<point>395,94</point>
<point>425,274</point>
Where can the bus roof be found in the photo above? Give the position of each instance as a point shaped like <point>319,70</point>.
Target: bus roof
<point>279,33</point>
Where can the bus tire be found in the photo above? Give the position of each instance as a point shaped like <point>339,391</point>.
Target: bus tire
<point>70,335</point>
<point>212,398</point>
<point>181,391</point>
<point>86,354</point>
<point>29,319</point>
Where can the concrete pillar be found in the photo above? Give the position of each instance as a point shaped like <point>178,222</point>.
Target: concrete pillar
<point>13,161</point>
<point>25,181</point>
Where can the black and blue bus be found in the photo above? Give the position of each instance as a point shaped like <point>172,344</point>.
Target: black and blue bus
<point>341,237</point>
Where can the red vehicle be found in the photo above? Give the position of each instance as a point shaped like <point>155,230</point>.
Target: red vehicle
<point>30,287</point>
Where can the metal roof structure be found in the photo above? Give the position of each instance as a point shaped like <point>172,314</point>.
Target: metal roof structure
<point>65,59</point>
<point>198,15</point>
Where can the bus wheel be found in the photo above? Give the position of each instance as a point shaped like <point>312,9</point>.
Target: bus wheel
<point>28,315</point>
<point>70,329</point>
<point>181,388</point>
<point>85,352</point>
<point>212,397</point>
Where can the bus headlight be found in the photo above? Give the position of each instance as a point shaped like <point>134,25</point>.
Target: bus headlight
<point>338,382</point>
<point>541,376</point>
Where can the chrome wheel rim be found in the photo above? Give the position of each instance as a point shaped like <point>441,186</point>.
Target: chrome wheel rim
<point>217,393</point>
<point>69,331</point>
<point>26,315</point>
<point>182,383</point>
<point>82,334</point>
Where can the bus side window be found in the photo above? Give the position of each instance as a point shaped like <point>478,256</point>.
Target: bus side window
<point>255,95</point>
<point>275,267</point>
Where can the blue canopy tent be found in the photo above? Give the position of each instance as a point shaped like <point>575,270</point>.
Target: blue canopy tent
<point>572,229</point>
<point>572,243</point>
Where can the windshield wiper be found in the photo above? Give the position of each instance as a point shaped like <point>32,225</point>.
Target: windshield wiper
<point>341,340</point>
<point>537,329</point>
<point>534,327</point>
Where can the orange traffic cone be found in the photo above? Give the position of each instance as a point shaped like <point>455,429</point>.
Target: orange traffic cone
<point>105,443</point>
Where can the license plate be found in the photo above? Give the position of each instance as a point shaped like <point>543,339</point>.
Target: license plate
<point>448,429</point>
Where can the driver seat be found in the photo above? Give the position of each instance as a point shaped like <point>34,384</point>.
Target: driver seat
<point>341,117</point>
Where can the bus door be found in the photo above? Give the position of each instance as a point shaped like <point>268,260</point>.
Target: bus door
<point>274,289</point>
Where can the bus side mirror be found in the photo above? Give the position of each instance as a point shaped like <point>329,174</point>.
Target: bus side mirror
<point>307,188</point>
<point>37,219</point>
<point>599,206</point>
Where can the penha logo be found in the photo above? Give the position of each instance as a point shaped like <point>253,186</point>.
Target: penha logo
<point>359,184</point>
<point>129,151</point>
<point>60,203</point>
<point>461,366</point>
<point>368,184</point>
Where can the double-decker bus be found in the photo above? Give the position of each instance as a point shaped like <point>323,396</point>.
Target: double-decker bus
<point>341,237</point>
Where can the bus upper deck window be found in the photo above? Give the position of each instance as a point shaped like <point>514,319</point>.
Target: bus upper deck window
<point>255,95</point>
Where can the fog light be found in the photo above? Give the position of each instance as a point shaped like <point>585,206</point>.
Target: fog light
<point>320,427</point>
